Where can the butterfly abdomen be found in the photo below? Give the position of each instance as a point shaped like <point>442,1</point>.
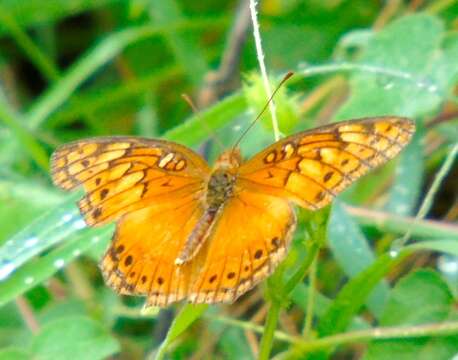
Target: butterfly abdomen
<point>220,188</point>
<point>197,237</point>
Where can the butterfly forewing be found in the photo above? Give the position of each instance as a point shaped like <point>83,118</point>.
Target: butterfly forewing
<point>312,167</point>
<point>122,174</point>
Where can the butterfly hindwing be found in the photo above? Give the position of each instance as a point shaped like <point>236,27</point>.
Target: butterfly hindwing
<point>312,167</point>
<point>250,238</point>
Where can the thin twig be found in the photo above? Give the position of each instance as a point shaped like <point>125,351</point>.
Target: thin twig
<point>310,299</point>
<point>226,78</point>
<point>359,336</point>
<point>429,198</point>
<point>399,224</point>
<point>262,66</point>
<point>27,314</point>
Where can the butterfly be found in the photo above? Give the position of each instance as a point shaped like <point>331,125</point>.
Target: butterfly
<point>187,231</point>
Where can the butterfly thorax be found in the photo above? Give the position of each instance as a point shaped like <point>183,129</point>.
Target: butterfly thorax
<point>221,183</point>
<point>219,188</point>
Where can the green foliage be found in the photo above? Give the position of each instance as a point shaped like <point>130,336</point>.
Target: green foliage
<point>418,298</point>
<point>83,338</point>
<point>75,69</point>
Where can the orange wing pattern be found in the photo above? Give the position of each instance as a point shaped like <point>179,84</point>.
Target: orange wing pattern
<point>123,174</point>
<point>141,260</point>
<point>234,259</point>
<point>249,240</point>
<point>156,190</point>
<point>312,167</point>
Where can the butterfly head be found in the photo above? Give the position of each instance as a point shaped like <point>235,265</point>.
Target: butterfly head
<point>229,160</point>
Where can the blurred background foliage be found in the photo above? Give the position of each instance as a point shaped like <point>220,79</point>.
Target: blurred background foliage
<point>76,68</point>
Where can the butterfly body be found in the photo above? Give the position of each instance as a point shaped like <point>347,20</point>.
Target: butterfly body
<point>207,235</point>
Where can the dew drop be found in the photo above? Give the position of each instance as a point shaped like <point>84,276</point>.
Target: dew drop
<point>31,242</point>
<point>95,239</point>
<point>79,224</point>
<point>388,86</point>
<point>59,263</point>
<point>401,209</point>
<point>67,217</point>
<point>6,270</point>
<point>449,265</point>
<point>29,280</point>
<point>394,253</point>
<point>432,88</point>
<point>76,252</point>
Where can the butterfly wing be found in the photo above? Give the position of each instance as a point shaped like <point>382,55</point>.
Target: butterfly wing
<point>249,239</point>
<point>141,260</point>
<point>123,174</point>
<point>154,190</point>
<point>312,167</point>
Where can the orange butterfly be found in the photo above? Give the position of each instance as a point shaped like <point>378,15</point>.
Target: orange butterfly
<point>207,235</point>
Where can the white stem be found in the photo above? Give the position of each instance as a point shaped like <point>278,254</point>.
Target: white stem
<point>262,66</point>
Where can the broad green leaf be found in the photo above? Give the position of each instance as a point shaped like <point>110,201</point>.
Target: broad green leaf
<point>405,192</point>
<point>76,336</point>
<point>36,12</point>
<point>14,353</point>
<point>49,229</point>
<point>354,294</point>
<point>413,90</point>
<point>449,246</point>
<point>418,298</point>
<point>184,45</point>
<point>36,271</point>
<point>421,297</point>
<point>352,251</point>
<point>22,201</point>
<point>234,345</point>
<point>185,318</point>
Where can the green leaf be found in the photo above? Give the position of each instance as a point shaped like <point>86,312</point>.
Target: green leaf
<point>405,191</point>
<point>354,294</point>
<point>14,353</point>
<point>234,345</point>
<point>411,90</point>
<point>76,336</point>
<point>51,228</point>
<point>449,246</point>
<point>352,251</point>
<point>36,271</point>
<point>22,201</point>
<point>182,321</point>
<point>419,298</point>
<point>183,44</point>
<point>34,12</point>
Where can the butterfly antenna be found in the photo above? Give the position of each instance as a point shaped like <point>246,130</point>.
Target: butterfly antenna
<point>196,112</point>
<point>286,77</point>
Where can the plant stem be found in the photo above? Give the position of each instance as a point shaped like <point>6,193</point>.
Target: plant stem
<point>27,314</point>
<point>387,222</point>
<point>97,57</point>
<point>23,135</point>
<point>303,269</point>
<point>359,336</point>
<point>401,332</point>
<point>269,330</point>
<point>262,66</point>
<point>429,198</point>
<point>310,300</point>
<point>39,58</point>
